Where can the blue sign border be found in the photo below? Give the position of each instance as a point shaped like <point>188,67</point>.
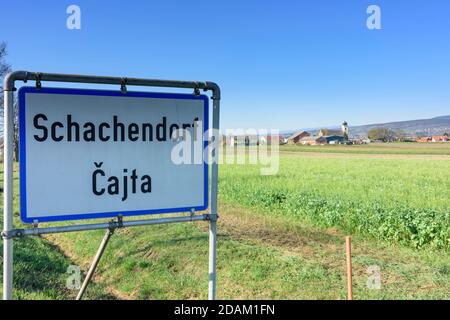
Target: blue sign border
<point>22,149</point>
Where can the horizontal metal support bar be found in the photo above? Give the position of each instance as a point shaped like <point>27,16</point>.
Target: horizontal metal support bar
<point>33,76</point>
<point>15,233</point>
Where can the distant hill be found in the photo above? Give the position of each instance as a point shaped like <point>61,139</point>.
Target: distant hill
<point>423,127</point>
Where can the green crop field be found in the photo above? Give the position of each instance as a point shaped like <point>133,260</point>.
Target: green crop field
<point>280,237</point>
<point>399,200</point>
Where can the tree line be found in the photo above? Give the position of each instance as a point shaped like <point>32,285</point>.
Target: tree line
<point>387,135</point>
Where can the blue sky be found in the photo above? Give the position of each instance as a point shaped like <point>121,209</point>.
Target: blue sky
<point>281,64</point>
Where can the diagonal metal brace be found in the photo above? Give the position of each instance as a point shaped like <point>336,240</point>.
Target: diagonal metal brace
<point>98,256</point>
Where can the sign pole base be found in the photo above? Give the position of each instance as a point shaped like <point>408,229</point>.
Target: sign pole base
<point>212,259</point>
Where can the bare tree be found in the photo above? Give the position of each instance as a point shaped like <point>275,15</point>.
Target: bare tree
<point>4,69</point>
<point>400,135</point>
<point>383,134</point>
<point>16,130</point>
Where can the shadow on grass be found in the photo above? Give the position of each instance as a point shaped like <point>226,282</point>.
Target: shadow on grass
<point>40,272</point>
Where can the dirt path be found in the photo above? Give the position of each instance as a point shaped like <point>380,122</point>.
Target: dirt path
<point>323,246</point>
<point>366,156</point>
<point>349,155</point>
<point>309,243</point>
<point>244,225</point>
<point>315,246</point>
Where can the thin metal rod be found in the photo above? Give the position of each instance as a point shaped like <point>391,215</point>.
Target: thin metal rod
<point>75,78</point>
<point>212,284</point>
<point>348,246</point>
<point>95,262</point>
<point>106,225</point>
<point>8,195</point>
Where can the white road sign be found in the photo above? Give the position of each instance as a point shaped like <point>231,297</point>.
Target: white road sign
<point>93,154</point>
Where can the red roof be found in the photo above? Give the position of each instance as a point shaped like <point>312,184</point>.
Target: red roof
<point>440,138</point>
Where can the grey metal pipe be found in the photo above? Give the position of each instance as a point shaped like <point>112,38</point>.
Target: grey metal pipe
<point>212,274</point>
<point>26,76</point>
<point>212,283</point>
<point>8,194</point>
<point>95,262</point>
<point>106,225</point>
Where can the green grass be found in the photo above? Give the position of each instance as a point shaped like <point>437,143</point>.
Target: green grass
<point>170,262</point>
<point>280,237</point>
<point>40,268</point>
<point>397,200</point>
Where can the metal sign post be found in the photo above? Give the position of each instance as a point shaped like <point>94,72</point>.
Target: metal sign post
<point>214,192</point>
<point>9,233</point>
<point>8,134</point>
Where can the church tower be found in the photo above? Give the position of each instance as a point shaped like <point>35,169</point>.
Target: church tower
<point>344,128</point>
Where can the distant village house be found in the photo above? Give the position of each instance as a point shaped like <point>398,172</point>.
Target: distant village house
<point>440,139</point>
<point>297,137</point>
<point>313,141</point>
<point>327,136</point>
<point>434,139</point>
